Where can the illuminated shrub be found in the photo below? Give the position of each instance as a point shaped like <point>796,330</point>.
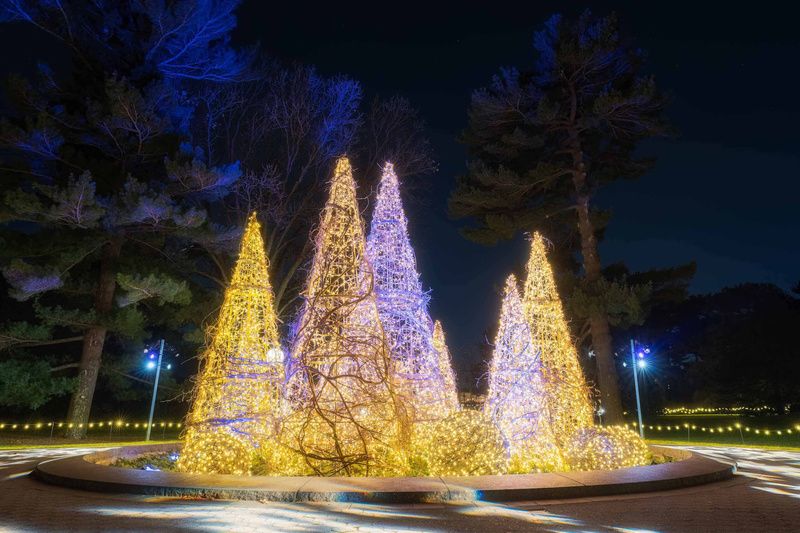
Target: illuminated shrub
<point>466,443</point>
<point>215,452</point>
<point>272,458</point>
<point>535,459</point>
<point>605,448</point>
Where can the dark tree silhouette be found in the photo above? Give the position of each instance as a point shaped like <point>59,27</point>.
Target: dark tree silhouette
<point>542,140</point>
<point>105,204</point>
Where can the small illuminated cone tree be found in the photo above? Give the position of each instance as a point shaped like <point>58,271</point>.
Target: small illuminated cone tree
<point>403,306</point>
<point>238,391</point>
<point>516,400</point>
<point>445,366</point>
<point>568,397</point>
<point>347,420</point>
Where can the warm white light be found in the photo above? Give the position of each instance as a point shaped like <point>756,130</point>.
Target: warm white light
<point>275,355</point>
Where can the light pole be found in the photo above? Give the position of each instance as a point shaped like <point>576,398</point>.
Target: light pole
<point>640,363</point>
<point>155,386</point>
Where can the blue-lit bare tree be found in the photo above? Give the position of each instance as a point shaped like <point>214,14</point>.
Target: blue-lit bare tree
<point>105,203</point>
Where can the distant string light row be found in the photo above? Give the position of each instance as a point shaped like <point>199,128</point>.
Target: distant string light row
<point>90,425</point>
<point>716,410</point>
<point>720,429</point>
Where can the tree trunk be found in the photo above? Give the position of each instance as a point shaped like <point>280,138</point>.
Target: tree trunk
<point>598,321</point>
<point>94,337</point>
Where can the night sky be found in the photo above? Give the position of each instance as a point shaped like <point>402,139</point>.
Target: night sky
<point>725,191</point>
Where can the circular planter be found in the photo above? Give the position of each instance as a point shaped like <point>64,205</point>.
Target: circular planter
<point>92,472</point>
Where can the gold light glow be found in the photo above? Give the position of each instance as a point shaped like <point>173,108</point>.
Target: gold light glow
<point>568,397</point>
<point>347,419</point>
<point>238,393</point>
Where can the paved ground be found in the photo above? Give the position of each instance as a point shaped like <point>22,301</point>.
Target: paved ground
<point>764,497</point>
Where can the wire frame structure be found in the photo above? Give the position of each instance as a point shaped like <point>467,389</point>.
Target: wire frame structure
<point>568,395</point>
<point>445,367</point>
<point>237,397</point>
<point>403,306</point>
<point>517,396</point>
<point>346,418</point>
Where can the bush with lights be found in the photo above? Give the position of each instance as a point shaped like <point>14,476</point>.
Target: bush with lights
<point>606,448</point>
<point>466,443</point>
<point>215,452</point>
<point>273,458</point>
<point>535,459</point>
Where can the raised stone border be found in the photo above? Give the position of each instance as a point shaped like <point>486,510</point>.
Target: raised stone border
<point>91,472</point>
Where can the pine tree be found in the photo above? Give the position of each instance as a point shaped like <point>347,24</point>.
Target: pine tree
<point>567,393</point>
<point>105,204</point>
<point>445,366</point>
<point>517,399</point>
<point>340,379</point>
<point>403,306</point>
<point>238,392</point>
<point>544,139</point>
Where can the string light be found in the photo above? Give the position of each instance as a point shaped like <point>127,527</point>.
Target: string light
<point>606,448</point>
<point>237,397</point>
<point>403,308</point>
<point>516,400</point>
<point>669,411</point>
<point>347,419</point>
<point>445,366</point>
<point>718,429</point>
<point>33,426</point>
<point>568,399</point>
<point>466,443</point>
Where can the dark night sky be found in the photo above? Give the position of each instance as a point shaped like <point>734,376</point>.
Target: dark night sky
<point>725,192</point>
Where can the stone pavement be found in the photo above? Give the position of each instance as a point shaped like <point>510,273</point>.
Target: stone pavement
<point>764,497</point>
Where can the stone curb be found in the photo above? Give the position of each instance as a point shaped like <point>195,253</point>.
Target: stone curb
<point>91,472</point>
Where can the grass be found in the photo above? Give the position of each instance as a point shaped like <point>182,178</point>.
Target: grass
<point>82,444</point>
<point>724,444</point>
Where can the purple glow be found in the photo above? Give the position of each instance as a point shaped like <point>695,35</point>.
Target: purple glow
<point>403,305</point>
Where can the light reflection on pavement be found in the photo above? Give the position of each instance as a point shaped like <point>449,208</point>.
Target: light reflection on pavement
<point>763,497</point>
<point>776,471</point>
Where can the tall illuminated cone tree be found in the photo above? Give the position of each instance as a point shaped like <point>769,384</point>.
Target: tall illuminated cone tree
<point>347,419</point>
<point>403,306</point>
<point>568,396</point>
<point>516,400</point>
<point>237,395</point>
<point>445,366</point>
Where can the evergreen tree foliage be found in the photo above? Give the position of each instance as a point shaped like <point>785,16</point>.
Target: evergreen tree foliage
<point>105,212</point>
<point>542,140</point>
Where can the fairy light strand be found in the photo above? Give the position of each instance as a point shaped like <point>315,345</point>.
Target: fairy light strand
<point>346,418</point>
<point>403,306</point>
<point>238,391</point>
<point>517,401</point>
<point>445,362</point>
<point>568,398</point>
